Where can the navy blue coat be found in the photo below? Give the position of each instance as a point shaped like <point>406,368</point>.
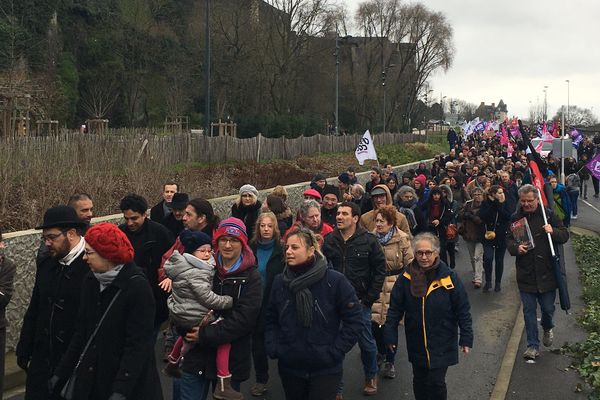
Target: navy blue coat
<point>432,322</point>
<point>320,348</point>
<point>496,216</point>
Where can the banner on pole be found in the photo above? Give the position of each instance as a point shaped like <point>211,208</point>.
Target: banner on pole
<point>365,149</point>
<point>594,166</point>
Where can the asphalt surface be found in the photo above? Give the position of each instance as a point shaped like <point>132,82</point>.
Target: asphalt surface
<point>493,319</point>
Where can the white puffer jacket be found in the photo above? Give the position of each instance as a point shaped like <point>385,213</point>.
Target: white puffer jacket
<point>192,296</point>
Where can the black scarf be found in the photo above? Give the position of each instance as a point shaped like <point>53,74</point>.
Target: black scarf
<point>299,280</point>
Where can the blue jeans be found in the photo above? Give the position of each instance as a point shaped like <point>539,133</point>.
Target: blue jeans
<point>368,348</point>
<point>190,387</point>
<point>573,196</point>
<point>491,252</point>
<point>546,301</point>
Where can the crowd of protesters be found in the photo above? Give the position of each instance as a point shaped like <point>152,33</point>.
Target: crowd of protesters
<point>301,286</point>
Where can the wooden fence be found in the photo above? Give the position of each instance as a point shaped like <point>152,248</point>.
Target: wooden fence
<point>177,149</point>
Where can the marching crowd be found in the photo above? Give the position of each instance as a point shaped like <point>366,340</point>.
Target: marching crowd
<point>304,286</point>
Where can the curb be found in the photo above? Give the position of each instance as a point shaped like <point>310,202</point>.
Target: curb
<point>509,358</point>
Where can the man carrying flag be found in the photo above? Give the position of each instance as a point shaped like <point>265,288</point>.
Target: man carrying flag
<point>536,263</point>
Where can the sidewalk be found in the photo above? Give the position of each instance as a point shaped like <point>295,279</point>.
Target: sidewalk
<point>550,377</point>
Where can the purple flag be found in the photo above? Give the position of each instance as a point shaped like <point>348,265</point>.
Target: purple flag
<point>594,166</point>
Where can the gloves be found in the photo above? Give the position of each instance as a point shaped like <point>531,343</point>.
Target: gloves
<point>23,363</point>
<point>52,383</point>
<point>117,396</point>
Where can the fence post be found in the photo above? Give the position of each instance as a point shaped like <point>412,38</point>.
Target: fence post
<point>258,147</point>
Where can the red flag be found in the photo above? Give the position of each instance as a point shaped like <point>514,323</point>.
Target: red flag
<point>538,180</point>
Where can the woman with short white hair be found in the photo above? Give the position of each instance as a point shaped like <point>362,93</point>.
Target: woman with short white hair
<point>435,307</point>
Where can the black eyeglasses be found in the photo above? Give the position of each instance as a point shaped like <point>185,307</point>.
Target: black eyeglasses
<point>51,237</point>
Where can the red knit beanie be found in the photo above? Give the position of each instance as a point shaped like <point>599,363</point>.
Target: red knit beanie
<point>110,243</point>
<point>233,227</point>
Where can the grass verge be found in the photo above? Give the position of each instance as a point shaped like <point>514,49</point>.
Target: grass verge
<point>586,354</point>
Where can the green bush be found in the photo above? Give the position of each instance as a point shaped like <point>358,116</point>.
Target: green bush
<point>586,354</point>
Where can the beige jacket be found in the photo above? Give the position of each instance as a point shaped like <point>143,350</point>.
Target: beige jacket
<point>368,219</point>
<point>398,253</point>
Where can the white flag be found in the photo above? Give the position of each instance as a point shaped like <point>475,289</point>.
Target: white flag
<point>365,149</point>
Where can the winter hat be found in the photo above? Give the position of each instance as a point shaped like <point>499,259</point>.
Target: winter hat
<point>61,217</point>
<point>344,178</point>
<point>329,189</point>
<point>231,227</point>
<point>192,240</point>
<point>110,243</point>
<point>421,179</point>
<point>247,188</point>
<point>312,193</point>
<point>180,201</point>
<point>319,177</point>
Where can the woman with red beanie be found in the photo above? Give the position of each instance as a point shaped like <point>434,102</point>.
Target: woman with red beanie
<point>111,355</point>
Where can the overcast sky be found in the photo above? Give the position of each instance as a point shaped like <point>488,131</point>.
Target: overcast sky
<point>511,49</point>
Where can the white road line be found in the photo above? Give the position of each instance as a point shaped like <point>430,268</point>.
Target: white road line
<point>592,206</point>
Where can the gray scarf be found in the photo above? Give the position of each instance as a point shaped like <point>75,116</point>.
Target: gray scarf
<point>299,284</point>
<point>106,278</point>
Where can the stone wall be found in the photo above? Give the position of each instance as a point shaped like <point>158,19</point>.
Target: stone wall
<point>22,247</point>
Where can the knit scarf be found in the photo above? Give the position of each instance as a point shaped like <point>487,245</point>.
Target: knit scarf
<point>106,278</point>
<point>406,208</point>
<point>74,253</point>
<point>299,283</point>
<point>435,210</point>
<point>418,277</point>
<point>383,238</point>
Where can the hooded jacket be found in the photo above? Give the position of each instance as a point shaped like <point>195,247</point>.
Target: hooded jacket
<point>244,286</point>
<point>192,296</point>
<point>336,324</point>
<point>432,322</point>
<point>368,219</point>
<point>398,253</point>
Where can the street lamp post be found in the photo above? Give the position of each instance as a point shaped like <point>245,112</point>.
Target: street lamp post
<point>207,57</point>
<point>337,82</point>
<point>568,98</point>
<point>545,103</point>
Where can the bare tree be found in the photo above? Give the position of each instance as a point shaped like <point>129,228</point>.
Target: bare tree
<point>99,98</point>
<point>577,116</point>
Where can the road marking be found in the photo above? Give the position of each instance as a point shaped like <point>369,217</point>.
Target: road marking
<point>592,206</point>
<point>508,360</point>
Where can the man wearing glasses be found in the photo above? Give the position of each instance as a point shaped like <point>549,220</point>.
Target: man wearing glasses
<point>49,321</point>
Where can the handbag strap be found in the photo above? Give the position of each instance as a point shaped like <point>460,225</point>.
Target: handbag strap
<point>93,335</point>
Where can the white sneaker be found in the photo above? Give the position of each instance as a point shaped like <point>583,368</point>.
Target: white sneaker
<point>548,338</point>
<point>574,217</point>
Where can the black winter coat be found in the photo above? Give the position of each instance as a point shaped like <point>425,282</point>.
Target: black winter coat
<point>336,324</point>
<point>157,213</point>
<point>7,277</point>
<point>432,322</point>
<point>360,259</point>
<point>248,215</point>
<point>534,268</point>
<point>236,327</point>
<point>446,218</point>
<point>149,243</point>
<point>49,322</point>
<point>120,358</point>
<point>496,217</point>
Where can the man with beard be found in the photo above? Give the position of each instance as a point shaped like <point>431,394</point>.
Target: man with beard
<point>331,196</point>
<point>150,240</point>
<point>49,322</point>
<point>174,221</point>
<point>84,207</point>
<point>357,254</point>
